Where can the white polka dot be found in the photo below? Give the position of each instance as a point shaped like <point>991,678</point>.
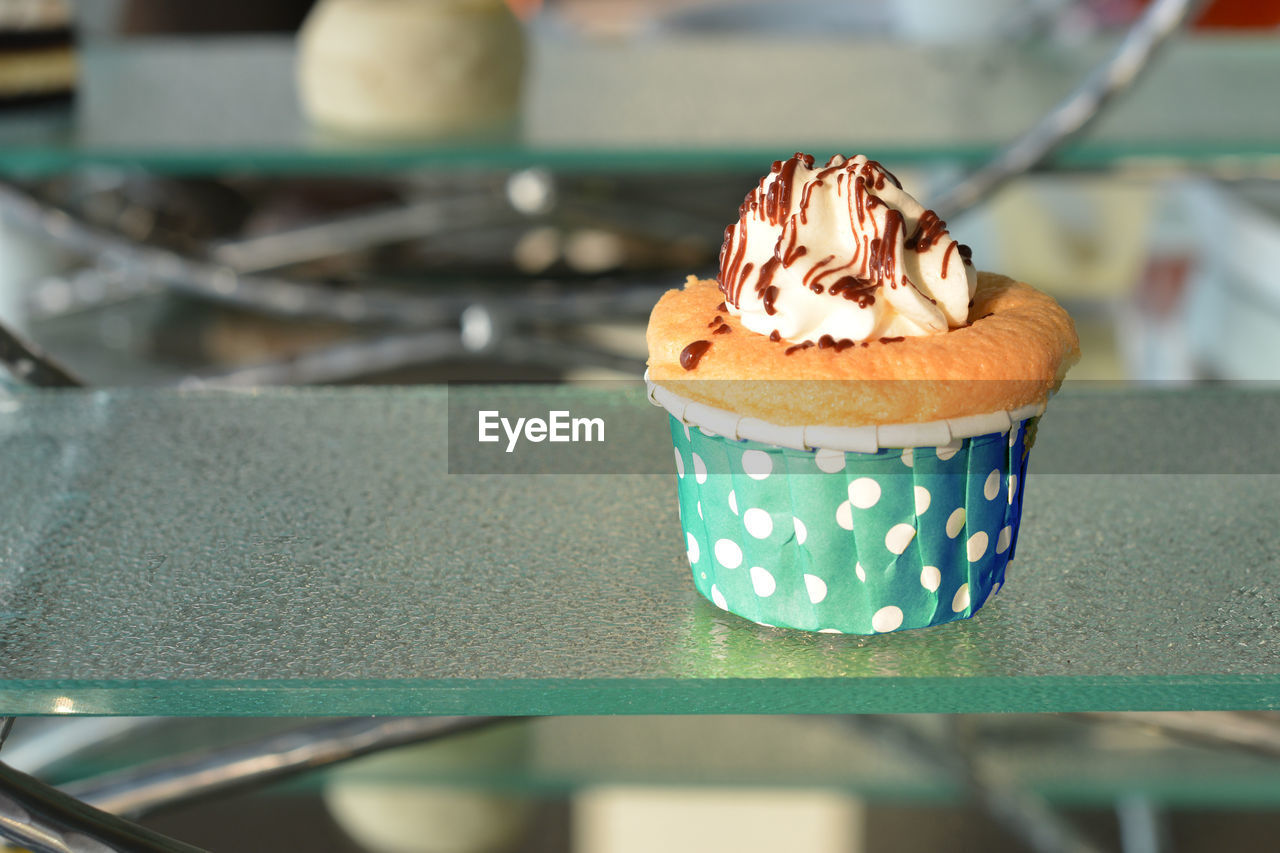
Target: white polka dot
<point>1003,540</point>
<point>991,488</point>
<point>830,631</point>
<point>1013,435</point>
<point>679,464</point>
<point>694,551</point>
<point>756,464</point>
<point>887,619</point>
<point>1013,487</point>
<point>844,515</point>
<point>864,492</point>
<point>758,522</point>
<point>733,501</point>
<point>948,450</point>
<point>699,469</point>
<point>908,457</point>
<point>728,553</point>
<point>686,432</point>
<point>699,509</point>
<point>977,546</point>
<point>899,537</point>
<point>860,572</point>
<point>961,599</point>
<point>817,588</point>
<point>829,461</point>
<point>802,532</point>
<point>923,499</point>
<point>930,578</point>
<point>718,598</point>
<point>955,522</point>
<point>762,582</point>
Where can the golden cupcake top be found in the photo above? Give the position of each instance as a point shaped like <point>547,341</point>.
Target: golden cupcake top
<point>841,300</point>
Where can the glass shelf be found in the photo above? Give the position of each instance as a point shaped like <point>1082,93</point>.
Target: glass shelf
<point>306,552</point>
<point>669,101</point>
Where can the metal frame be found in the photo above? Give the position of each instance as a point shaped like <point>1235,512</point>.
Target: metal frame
<point>46,820</point>
<point>86,815</point>
<point>31,366</point>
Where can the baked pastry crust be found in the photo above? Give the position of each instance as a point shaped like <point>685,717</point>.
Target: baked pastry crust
<point>1015,352</point>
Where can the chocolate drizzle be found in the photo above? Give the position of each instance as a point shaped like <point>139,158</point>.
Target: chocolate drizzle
<point>874,254</point>
<point>946,257</point>
<point>746,271</point>
<point>791,234</point>
<point>770,296</point>
<point>928,231</point>
<point>777,200</point>
<point>733,249</point>
<point>722,330</point>
<point>767,269</point>
<point>882,261</point>
<point>858,290</point>
<point>828,342</point>
<point>882,174</point>
<point>693,353</point>
<point>824,342</point>
<point>765,289</point>
<point>892,340</point>
<point>815,270</point>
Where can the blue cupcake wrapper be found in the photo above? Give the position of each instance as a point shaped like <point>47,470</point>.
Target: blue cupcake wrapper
<point>856,543</point>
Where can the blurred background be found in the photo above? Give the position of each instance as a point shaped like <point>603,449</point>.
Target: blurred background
<point>285,192</point>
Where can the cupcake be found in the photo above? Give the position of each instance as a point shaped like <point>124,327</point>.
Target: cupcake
<point>851,404</point>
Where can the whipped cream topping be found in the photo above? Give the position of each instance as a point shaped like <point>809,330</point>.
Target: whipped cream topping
<point>842,253</point>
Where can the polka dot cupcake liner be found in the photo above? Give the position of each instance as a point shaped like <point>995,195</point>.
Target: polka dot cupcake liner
<point>847,541</point>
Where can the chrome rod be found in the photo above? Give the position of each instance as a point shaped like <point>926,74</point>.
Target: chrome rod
<point>360,230</point>
<point>1080,108</point>
<point>140,790</point>
<point>25,361</point>
<point>45,820</point>
<point>1022,812</point>
<point>1252,733</point>
<point>284,297</point>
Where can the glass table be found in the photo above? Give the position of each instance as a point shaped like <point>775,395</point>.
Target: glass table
<point>307,552</point>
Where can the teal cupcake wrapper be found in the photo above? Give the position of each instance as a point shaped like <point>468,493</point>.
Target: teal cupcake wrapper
<point>856,543</point>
